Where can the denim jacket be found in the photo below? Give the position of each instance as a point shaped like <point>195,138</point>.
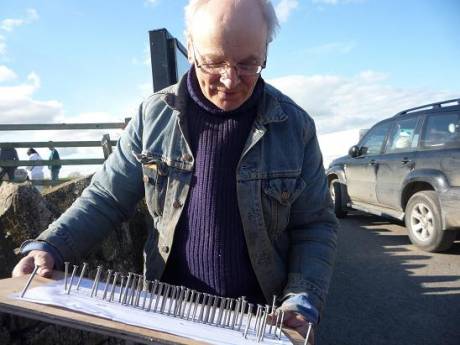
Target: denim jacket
<point>283,198</point>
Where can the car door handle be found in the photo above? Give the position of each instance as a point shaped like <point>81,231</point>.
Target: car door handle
<point>372,162</point>
<point>405,160</point>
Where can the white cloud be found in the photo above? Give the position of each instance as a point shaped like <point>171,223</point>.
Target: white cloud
<point>284,8</point>
<point>9,24</point>
<point>6,74</point>
<point>340,103</point>
<point>18,105</point>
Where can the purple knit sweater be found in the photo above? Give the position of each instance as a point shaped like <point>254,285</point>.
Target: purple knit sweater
<point>209,252</point>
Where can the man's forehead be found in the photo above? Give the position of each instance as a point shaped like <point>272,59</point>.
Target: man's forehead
<point>229,26</point>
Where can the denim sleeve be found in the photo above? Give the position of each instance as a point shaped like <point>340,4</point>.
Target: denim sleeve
<point>312,229</point>
<point>301,304</point>
<point>110,199</point>
<point>30,245</point>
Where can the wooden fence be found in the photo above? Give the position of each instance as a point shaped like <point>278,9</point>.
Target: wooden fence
<point>106,143</point>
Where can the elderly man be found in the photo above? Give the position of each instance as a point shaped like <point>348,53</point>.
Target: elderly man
<point>231,172</point>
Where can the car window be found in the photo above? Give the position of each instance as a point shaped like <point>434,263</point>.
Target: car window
<point>441,130</point>
<point>373,141</point>
<point>403,136</point>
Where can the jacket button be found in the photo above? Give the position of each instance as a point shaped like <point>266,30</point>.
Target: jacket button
<point>146,179</point>
<point>285,196</point>
<point>187,157</point>
<point>165,249</point>
<point>177,204</point>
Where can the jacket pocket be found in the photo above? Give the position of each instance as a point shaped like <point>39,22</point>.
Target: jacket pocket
<point>155,183</point>
<point>277,198</point>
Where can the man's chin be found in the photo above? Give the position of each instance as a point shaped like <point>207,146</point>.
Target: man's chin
<point>228,104</point>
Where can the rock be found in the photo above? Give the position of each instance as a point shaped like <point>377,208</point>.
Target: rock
<point>62,196</point>
<point>24,213</point>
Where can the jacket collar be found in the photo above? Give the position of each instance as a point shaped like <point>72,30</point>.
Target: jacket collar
<point>269,109</point>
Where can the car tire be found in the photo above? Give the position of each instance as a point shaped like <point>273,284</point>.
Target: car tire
<point>423,223</point>
<point>335,189</point>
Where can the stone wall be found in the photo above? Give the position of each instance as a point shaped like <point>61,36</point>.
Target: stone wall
<point>24,213</point>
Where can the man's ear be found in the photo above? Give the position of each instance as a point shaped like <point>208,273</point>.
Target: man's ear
<point>190,52</point>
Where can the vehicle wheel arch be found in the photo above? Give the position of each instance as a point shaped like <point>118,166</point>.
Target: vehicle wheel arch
<point>419,180</point>
<point>412,188</point>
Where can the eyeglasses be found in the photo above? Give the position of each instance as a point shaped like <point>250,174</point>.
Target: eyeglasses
<point>242,69</point>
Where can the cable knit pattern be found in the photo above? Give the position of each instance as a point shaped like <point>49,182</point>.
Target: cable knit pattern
<point>209,252</point>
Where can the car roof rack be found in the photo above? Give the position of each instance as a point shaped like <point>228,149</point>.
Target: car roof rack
<point>430,106</point>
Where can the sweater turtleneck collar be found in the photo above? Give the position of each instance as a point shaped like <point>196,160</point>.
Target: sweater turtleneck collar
<point>197,96</point>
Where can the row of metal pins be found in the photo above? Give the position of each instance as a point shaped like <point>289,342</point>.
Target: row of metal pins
<point>214,310</point>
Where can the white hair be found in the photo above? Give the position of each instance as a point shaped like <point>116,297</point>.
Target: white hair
<point>267,10</point>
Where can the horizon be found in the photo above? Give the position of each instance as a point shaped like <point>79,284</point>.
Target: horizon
<point>348,63</point>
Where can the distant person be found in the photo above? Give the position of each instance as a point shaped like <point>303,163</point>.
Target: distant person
<point>34,172</point>
<point>8,154</point>
<point>54,169</point>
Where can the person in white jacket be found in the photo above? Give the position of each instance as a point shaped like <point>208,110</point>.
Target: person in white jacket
<point>34,172</point>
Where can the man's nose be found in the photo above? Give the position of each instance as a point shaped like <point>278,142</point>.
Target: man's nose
<point>230,77</point>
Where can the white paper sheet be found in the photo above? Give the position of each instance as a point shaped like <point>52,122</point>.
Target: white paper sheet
<point>53,294</point>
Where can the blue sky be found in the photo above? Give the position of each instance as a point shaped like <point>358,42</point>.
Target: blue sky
<point>349,63</point>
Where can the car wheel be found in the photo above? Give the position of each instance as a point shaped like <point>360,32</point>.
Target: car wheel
<point>423,222</point>
<point>336,194</point>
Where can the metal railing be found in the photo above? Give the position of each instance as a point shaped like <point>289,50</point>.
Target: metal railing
<point>105,143</point>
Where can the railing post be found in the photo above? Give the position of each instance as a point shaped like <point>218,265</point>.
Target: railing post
<point>106,145</point>
<point>127,119</point>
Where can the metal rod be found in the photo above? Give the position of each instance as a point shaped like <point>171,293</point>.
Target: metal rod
<point>229,314</point>
<point>278,314</point>
<point>175,295</point>
<point>160,290</point>
<point>122,283</point>
<point>220,310</point>
<point>82,273</point>
<point>241,312</point>
<point>114,284</point>
<point>154,287</point>
<point>132,290</point>
<point>281,323</point>
<point>272,313</point>
<point>212,310</point>
<point>248,325</point>
<point>264,325</point>
<point>190,304</point>
<point>75,267</point>
<point>126,288</point>
<point>195,307</point>
<point>66,273</point>
<point>184,301</point>
<point>107,283</point>
<point>258,312</point>
<point>96,281</point>
<point>237,307</point>
<point>165,296</point>
<point>308,333</point>
<point>146,289</point>
<point>34,272</point>
<point>203,304</point>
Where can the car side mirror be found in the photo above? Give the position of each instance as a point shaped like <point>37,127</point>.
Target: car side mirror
<point>354,151</point>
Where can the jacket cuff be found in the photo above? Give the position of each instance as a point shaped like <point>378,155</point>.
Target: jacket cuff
<point>300,303</point>
<point>30,245</point>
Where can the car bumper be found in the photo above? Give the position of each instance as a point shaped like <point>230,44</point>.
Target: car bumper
<point>450,207</point>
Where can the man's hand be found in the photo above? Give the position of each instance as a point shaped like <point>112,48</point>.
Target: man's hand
<point>35,257</point>
<point>300,324</point>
